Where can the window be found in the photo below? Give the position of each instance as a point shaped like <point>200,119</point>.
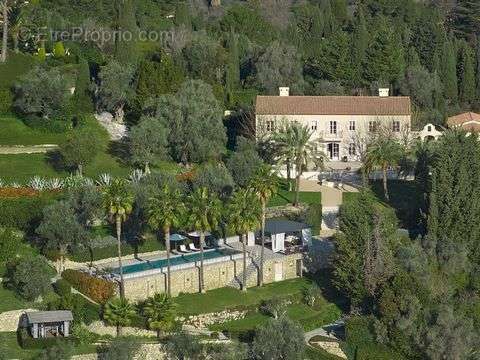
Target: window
<point>314,126</point>
<point>352,125</point>
<point>352,150</point>
<point>429,128</point>
<point>333,127</point>
<point>396,126</point>
<point>372,126</point>
<point>270,125</point>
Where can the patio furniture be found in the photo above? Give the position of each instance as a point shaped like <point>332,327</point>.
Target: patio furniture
<point>183,249</point>
<point>192,247</point>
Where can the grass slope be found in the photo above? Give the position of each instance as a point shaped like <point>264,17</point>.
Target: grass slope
<point>229,298</point>
<point>22,167</point>
<point>13,131</point>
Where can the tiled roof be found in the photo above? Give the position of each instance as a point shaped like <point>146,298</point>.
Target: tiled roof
<point>463,118</point>
<point>333,105</point>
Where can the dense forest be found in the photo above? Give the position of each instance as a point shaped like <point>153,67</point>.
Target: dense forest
<point>426,49</point>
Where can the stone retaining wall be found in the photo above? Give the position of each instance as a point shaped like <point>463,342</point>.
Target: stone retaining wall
<point>216,275</point>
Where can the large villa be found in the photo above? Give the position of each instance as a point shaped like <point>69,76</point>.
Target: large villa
<point>285,243</point>
<point>339,123</point>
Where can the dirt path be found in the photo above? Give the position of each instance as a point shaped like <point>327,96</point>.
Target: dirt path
<point>29,149</point>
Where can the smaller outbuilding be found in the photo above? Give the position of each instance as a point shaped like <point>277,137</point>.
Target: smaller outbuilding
<point>286,235</point>
<point>44,324</point>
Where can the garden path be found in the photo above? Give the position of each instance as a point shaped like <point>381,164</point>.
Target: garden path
<point>27,149</point>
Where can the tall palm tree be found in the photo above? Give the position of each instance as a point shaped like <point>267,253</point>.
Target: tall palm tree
<point>244,212</point>
<point>165,210</point>
<point>5,7</point>
<point>160,313</point>
<point>383,153</point>
<point>264,184</point>
<point>119,312</point>
<point>296,141</point>
<point>118,203</point>
<point>204,215</point>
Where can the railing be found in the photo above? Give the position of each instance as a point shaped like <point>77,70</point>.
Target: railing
<point>327,135</point>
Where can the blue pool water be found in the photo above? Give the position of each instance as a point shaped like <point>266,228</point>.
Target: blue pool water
<point>184,259</point>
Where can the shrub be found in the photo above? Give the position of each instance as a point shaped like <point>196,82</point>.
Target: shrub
<point>83,335</point>
<point>30,277</point>
<point>312,295</point>
<point>27,342</point>
<point>6,100</point>
<point>274,307</point>
<point>97,289</point>
<point>62,287</point>
<point>24,212</point>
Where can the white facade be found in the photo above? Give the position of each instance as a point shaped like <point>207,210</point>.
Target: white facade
<point>340,136</point>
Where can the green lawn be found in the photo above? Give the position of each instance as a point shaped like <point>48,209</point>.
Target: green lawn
<point>22,167</point>
<point>13,131</point>
<point>10,301</point>
<point>285,197</point>
<point>309,318</point>
<point>229,298</point>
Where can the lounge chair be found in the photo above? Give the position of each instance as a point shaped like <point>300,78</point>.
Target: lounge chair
<point>192,247</point>
<point>183,249</point>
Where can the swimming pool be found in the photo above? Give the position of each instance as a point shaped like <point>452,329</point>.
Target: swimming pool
<point>176,260</point>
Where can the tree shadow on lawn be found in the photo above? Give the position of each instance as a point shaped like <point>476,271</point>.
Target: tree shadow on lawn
<point>120,150</point>
<point>55,160</point>
<point>406,199</point>
<point>324,281</point>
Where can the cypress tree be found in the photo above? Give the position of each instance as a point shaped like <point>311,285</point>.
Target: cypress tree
<point>478,67</point>
<point>233,66</point>
<point>384,57</point>
<point>467,89</point>
<point>126,51</point>
<point>449,72</point>
<point>82,101</point>
<point>361,39</point>
<point>182,15</point>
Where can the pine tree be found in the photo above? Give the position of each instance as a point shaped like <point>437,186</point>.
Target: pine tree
<point>449,72</point>
<point>467,17</point>
<point>467,71</point>
<point>126,51</point>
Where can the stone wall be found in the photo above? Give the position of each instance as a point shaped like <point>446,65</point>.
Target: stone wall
<point>216,275</point>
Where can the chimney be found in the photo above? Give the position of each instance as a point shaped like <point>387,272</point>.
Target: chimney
<point>284,91</point>
<point>383,92</point>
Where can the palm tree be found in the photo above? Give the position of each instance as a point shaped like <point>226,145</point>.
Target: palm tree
<point>160,312</point>
<point>119,312</point>
<point>165,210</point>
<point>295,140</point>
<point>5,5</point>
<point>118,200</point>
<point>382,153</point>
<point>204,215</point>
<point>264,184</point>
<point>244,212</point>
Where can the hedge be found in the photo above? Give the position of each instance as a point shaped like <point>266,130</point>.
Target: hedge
<point>97,289</point>
<point>24,212</point>
<point>27,342</point>
<point>84,255</point>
